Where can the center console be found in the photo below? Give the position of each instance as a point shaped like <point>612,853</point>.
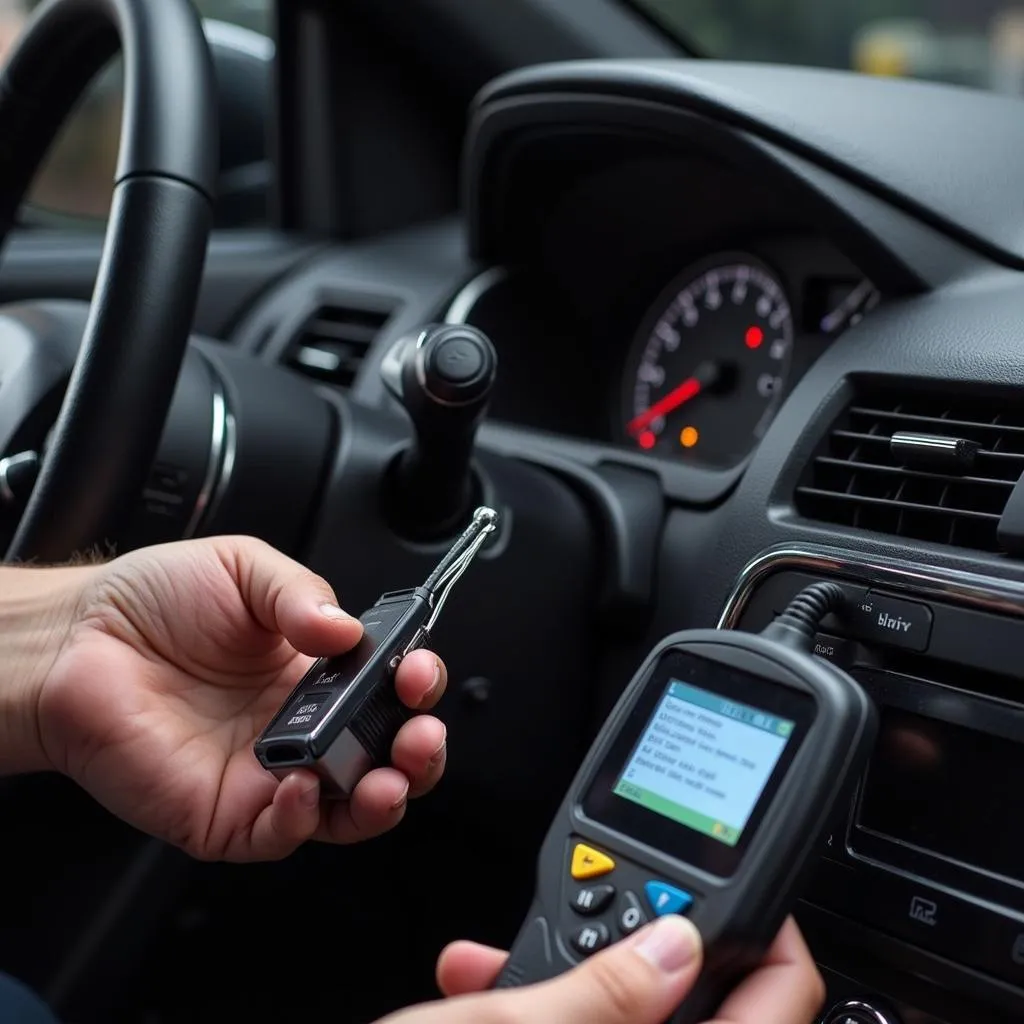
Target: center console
<point>915,908</point>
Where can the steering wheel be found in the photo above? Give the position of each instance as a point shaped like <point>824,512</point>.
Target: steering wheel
<point>99,451</point>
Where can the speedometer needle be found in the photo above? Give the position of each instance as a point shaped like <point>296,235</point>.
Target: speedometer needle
<point>705,376</point>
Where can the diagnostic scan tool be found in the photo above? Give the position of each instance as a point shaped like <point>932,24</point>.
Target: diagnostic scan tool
<point>341,719</point>
<point>704,794</point>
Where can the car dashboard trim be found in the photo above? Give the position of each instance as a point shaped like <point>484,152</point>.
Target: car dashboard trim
<point>221,460</point>
<point>461,307</point>
<point>988,593</point>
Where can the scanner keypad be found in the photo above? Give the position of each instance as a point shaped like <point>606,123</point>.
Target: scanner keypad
<point>627,897</point>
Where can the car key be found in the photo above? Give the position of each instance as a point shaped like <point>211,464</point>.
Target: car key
<point>341,719</point>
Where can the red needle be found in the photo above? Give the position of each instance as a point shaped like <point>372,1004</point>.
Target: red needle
<point>690,388</point>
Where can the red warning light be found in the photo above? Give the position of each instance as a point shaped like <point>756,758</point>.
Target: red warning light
<point>754,337</point>
<point>648,439</point>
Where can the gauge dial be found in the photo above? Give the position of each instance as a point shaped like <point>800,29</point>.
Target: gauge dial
<point>708,368</point>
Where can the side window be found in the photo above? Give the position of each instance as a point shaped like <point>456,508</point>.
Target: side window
<point>74,186</point>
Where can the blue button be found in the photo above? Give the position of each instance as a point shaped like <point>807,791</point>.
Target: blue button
<point>667,899</point>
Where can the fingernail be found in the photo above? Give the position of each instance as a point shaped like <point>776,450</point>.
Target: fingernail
<point>670,944</point>
<point>332,611</point>
<point>428,697</point>
<point>310,796</point>
<point>438,755</point>
<point>401,800</point>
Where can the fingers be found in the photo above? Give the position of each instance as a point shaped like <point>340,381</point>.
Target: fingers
<point>291,818</point>
<point>786,989</point>
<point>421,680</point>
<point>419,752</point>
<point>286,598</point>
<point>377,804</point>
<point>465,967</point>
<point>639,981</point>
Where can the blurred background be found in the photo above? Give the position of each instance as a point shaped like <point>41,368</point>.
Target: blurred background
<point>977,43</point>
<point>76,183</point>
<point>970,42</point>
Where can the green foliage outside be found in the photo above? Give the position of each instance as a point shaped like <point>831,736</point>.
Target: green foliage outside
<point>787,31</point>
<point>970,42</point>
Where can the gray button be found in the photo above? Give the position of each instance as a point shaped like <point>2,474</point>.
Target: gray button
<point>593,899</point>
<point>458,360</point>
<point>590,938</point>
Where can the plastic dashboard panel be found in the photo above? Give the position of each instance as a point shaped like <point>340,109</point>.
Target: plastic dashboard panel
<point>948,156</point>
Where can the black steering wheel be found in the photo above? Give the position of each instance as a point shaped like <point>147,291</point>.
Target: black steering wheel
<point>98,453</point>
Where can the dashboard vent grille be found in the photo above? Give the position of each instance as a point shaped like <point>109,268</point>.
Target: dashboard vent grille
<point>333,342</point>
<point>855,480</point>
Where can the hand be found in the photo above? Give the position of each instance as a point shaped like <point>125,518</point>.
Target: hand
<point>641,980</point>
<point>176,658</point>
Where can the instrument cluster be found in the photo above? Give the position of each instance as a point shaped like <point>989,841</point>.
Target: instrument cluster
<point>718,350</point>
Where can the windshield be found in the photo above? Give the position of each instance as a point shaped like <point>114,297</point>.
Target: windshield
<point>969,42</point>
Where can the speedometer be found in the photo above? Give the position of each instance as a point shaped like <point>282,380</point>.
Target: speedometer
<point>709,364</point>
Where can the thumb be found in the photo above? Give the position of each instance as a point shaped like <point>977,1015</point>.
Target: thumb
<point>640,981</point>
<point>287,598</point>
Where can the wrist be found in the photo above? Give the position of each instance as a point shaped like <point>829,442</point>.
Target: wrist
<point>37,611</point>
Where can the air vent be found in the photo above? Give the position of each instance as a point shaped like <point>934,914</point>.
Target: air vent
<point>333,342</point>
<point>856,479</point>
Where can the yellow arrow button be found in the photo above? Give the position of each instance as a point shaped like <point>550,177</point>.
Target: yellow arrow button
<point>589,863</point>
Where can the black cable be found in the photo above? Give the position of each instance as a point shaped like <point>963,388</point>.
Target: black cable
<point>800,622</point>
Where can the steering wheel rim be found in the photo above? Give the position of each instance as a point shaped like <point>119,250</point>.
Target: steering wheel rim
<point>143,303</point>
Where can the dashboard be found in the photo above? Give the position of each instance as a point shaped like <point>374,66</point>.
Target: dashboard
<point>726,300</point>
<point>688,362</point>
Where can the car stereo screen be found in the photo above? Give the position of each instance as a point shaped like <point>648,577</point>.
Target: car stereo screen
<point>703,761</point>
<point>948,790</point>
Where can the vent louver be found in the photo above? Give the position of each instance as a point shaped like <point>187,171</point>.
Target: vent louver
<point>856,480</point>
<point>333,342</point>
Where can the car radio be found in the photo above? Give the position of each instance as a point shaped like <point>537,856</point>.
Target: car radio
<point>927,848</point>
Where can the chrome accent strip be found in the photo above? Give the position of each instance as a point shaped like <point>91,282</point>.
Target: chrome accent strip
<point>216,460</point>
<point>7,496</point>
<point>471,293</point>
<point>227,468</point>
<point>988,593</point>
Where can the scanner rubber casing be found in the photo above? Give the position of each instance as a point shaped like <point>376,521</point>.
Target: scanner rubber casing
<point>738,917</point>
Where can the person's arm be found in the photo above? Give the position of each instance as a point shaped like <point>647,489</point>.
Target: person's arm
<point>147,678</point>
<point>36,610</point>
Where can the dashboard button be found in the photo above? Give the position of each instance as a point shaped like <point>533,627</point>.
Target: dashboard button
<point>589,863</point>
<point>879,618</point>
<point>966,932</point>
<point>854,1011</point>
